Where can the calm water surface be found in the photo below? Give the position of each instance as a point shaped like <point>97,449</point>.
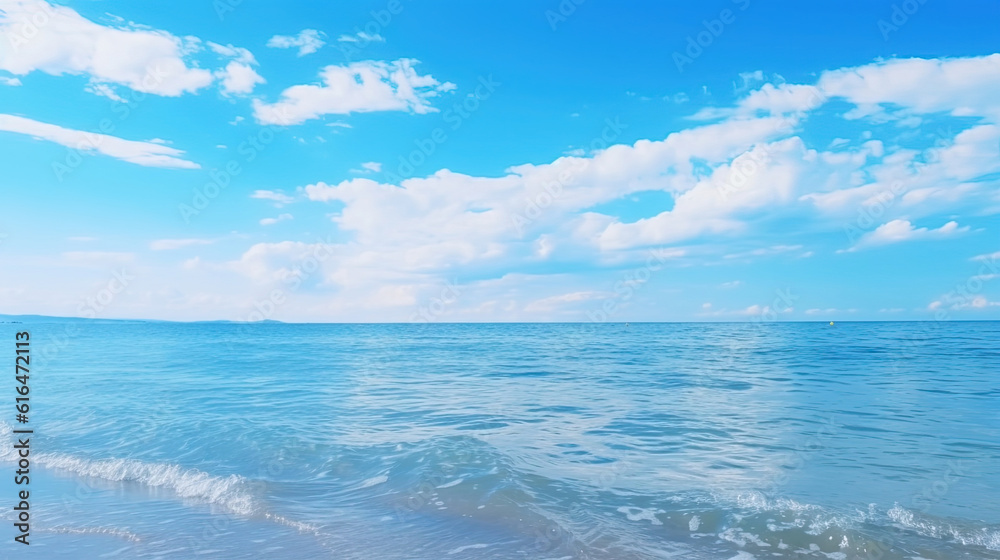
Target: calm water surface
<point>703,441</point>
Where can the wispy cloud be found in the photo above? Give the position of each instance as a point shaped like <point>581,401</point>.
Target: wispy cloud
<point>272,221</point>
<point>277,197</point>
<point>898,231</point>
<point>362,37</point>
<point>149,154</point>
<point>173,244</point>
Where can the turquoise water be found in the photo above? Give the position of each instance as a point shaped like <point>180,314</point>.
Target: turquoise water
<point>715,441</point>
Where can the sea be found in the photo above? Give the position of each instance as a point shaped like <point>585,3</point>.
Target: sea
<point>731,441</point>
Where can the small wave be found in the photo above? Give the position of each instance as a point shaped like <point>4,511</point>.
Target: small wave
<point>229,492</point>
<point>232,493</point>
<point>984,537</point>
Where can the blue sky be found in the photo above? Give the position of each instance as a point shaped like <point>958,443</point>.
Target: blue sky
<point>518,161</point>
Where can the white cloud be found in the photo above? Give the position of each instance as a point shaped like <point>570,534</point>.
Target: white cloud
<point>361,37</point>
<point>238,77</point>
<point>368,167</point>
<point>308,41</point>
<point>277,197</point>
<point>989,257</point>
<point>771,99</point>
<point>148,154</point>
<point>830,311</point>
<point>958,86</point>
<point>98,259</point>
<point>104,90</point>
<point>13,82</point>
<point>898,231</point>
<point>764,252</point>
<point>356,88</point>
<point>555,302</point>
<point>740,178</point>
<point>143,59</point>
<point>272,221</point>
<point>964,303</point>
<point>173,244</point>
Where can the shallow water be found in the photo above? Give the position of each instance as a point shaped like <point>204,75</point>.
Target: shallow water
<point>861,440</point>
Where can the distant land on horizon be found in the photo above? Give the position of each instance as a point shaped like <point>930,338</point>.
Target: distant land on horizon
<point>9,319</point>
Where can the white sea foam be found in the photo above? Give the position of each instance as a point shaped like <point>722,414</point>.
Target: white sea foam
<point>467,547</point>
<point>229,491</point>
<point>983,536</point>
<point>640,514</point>
<point>375,480</point>
<point>109,531</point>
<point>455,482</point>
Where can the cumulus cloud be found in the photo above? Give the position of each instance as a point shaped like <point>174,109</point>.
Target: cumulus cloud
<point>725,179</point>
<point>307,41</point>
<point>239,76</point>
<point>64,42</point>
<point>356,88</point>
<point>958,86</point>
<point>399,238</point>
<point>149,154</point>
